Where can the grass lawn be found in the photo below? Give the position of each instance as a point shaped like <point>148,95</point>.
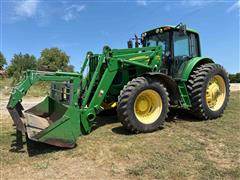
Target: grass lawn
<point>184,148</point>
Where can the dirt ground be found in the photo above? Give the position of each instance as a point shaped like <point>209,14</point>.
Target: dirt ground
<point>27,102</point>
<point>235,87</point>
<point>183,149</point>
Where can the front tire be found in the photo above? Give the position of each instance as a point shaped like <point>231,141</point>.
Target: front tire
<point>208,88</point>
<point>143,105</point>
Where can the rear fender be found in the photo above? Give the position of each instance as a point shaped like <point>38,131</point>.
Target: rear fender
<point>169,83</point>
<point>187,67</point>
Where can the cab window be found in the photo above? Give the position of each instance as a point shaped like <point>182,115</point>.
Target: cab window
<point>193,45</point>
<point>159,40</point>
<point>181,44</point>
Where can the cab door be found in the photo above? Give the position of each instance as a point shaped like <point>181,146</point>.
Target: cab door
<point>184,47</point>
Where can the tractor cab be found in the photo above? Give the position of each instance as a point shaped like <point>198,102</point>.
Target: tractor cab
<point>178,44</point>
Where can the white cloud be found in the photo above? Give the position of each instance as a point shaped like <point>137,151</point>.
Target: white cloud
<point>234,6</point>
<point>68,16</point>
<point>196,3</point>
<point>72,11</point>
<point>142,2</point>
<point>26,8</point>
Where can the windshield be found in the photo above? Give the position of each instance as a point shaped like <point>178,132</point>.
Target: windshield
<point>159,40</point>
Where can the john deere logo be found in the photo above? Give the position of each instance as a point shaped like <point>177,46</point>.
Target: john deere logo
<point>138,58</point>
<point>157,57</point>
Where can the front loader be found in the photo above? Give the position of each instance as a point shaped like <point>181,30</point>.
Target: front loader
<point>142,83</point>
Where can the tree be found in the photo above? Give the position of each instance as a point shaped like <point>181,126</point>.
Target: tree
<point>69,68</point>
<point>20,63</point>
<point>2,60</point>
<point>54,59</point>
<point>234,78</point>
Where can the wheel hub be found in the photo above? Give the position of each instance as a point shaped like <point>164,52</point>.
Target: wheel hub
<point>148,106</point>
<point>143,104</point>
<point>215,93</point>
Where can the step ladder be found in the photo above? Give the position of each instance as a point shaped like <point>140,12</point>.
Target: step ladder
<point>185,100</point>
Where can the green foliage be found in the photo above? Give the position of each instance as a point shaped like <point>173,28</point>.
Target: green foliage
<point>234,78</point>
<point>20,63</point>
<point>40,89</point>
<point>69,68</point>
<point>53,59</point>
<point>2,60</point>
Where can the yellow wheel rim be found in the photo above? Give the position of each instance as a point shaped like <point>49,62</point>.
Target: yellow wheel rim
<point>216,93</point>
<point>148,106</point>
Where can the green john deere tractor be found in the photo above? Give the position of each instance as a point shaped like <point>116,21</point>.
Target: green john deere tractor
<point>164,69</point>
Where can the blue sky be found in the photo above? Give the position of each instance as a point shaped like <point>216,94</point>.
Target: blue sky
<point>79,26</point>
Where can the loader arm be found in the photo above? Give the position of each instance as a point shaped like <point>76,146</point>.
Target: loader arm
<point>30,78</point>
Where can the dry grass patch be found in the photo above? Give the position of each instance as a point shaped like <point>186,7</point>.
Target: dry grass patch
<point>184,148</point>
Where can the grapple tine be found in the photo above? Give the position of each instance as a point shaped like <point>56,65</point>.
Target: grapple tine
<point>16,114</point>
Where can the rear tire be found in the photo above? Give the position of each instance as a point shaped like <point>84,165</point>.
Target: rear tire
<point>208,88</point>
<point>143,105</point>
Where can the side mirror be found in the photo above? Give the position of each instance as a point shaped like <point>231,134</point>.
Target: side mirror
<point>136,41</point>
<point>130,44</point>
<point>143,42</point>
<point>183,29</point>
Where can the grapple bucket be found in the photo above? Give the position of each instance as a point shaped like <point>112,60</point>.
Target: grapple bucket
<point>50,122</point>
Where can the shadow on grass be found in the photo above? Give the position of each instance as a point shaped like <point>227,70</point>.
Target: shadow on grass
<point>121,130</point>
<point>36,148</point>
<point>105,117</point>
<point>173,116</point>
<point>15,147</point>
<point>33,148</point>
<point>176,114</point>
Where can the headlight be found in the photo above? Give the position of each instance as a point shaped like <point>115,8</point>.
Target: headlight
<point>144,34</point>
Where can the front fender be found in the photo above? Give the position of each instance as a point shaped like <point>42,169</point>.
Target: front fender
<point>169,83</point>
<point>186,68</point>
